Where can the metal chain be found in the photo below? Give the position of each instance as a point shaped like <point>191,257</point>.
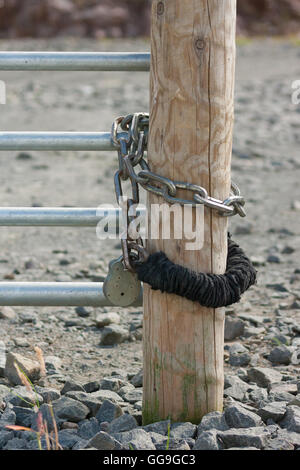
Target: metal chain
<point>131,150</point>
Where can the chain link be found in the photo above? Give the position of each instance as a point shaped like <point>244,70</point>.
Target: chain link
<point>131,149</point>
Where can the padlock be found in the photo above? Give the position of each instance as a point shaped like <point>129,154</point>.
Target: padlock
<point>121,287</point>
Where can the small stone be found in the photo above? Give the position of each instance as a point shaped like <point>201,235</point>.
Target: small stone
<point>88,428</point>
<point>110,383</point>
<point>7,313</point>
<point>4,390</point>
<point>71,386</point>
<point>20,396</point>
<point>284,387</point>
<point>287,250</point>
<point>87,399</point>
<point>208,440</point>
<point>213,420</point>
<point>114,334</point>
<point>137,380</point>
<point>52,363</point>
<point>103,441</point>
<point>27,317</point>
<point>254,331</point>
<point>16,444</point>
<point>258,396</point>
<point>264,376</point>
<point>69,425</point>
<point>123,423</point>
<point>244,229</point>
<point>67,439</point>
<point>274,259</point>
<point>182,431</point>
<point>133,396</point>
<point>295,359</point>
<point>2,358</point>
<point>239,355</point>
<point>136,439</point>
<point>275,411</point>
<point>102,395</point>
<point>108,412</point>
<point>234,327</point>
<point>49,394</point>
<point>24,156</point>
<point>291,419</point>
<point>31,368</point>
<point>106,319</point>
<point>237,416</point>
<point>280,355</point>
<point>257,437</point>
<point>5,436</point>
<point>24,416</point>
<point>83,312</point>
<point>71,410</point>
<point>160,427</point>
<point>91,387</point>
<point>21,342</point>
<point>295,401</point>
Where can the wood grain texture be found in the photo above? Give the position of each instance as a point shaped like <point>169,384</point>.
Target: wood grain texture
<point>191,125</point>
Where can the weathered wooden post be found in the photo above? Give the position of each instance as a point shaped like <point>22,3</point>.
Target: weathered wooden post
<point>191,109</point>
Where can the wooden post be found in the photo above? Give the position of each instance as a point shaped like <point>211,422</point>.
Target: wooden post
<point>191,109</point>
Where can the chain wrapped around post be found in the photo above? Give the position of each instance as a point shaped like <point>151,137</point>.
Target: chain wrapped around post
<point>209,289</point>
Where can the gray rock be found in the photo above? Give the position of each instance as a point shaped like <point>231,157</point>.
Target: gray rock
<point>88,428</point>
<point>67,439</point>
<point>103,441</point>
<point>160,427</point>
<point>114,334</point>
<point>87,399</point>
<point>295,400</point>
<point>173,444</point>
<point>20,396</point>
<point>257,437</point>
<point>235,388</point>
<point>70,410</point>
<point>132,396</point>
<point>283,387</point>
<point>123,423</point>
<point>110,383</point>
<point>5,436</point>
<point>291,419</point>
<point>279,443</point>
<point>292,437</point>
<point>295,359</point>
<point>237,416</point>
<point>258,395</point>
<point>7,313</point>
<point>31,368</point>
<point>213,420</point>
<point>208,440</point>
<point>238,355</point>
<point>16,444</point>
<point>137,380</point>
<point>2,358</point>
<point>108,412</point>
<point>81,444</point>
<point>83,312</point>
<point>46,412</point>
<point>254,331</point>
<point>274,411</point>
<point>280,396</point>
<point>106,319</point>
<point>234,327</point>
<point>264,376</point>
<point>7,417</point>
<point>102,395</point>
<point>91,387</point>
<point>181,431</point>
<point>48,394</point>
<point>71,386</point>
<point>280,355</point>
<point>24,416</point>
<point>3,391</point>
<point>136,439</point>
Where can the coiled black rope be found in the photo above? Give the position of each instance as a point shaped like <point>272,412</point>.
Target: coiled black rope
<point>210,290</point>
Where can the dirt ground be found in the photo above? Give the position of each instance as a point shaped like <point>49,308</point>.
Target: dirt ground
<point>265,164</point>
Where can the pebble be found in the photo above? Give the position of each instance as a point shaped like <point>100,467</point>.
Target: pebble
<point>7,313</point>
<point>87,399</point>
<point>280,355</point>
<point>103,441</point>
<point>70,410</point>
<point>238,355</point>
<point>31,368</point>
<point>208,440</point>
<point>274,410</point>
<point>71,386</point>
<point>213,420</point>
<point>264,377</point>
<point>237,416</point>
<point>114,334</point>
<point>234,327</point>
<point>106,319</point>
<point>123,423</point>
<point>108,412</point>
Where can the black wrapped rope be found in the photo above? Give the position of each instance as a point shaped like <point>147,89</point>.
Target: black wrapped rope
<point>210,290</point>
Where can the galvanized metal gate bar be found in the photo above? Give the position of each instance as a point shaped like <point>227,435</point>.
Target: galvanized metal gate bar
<point>54,294</point>
<point>75,61</point>
<point>57,141</point>
<point>57,294</point>
<point>60,216</point>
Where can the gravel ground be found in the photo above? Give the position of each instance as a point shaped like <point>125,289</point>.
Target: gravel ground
<point>262,332</point>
